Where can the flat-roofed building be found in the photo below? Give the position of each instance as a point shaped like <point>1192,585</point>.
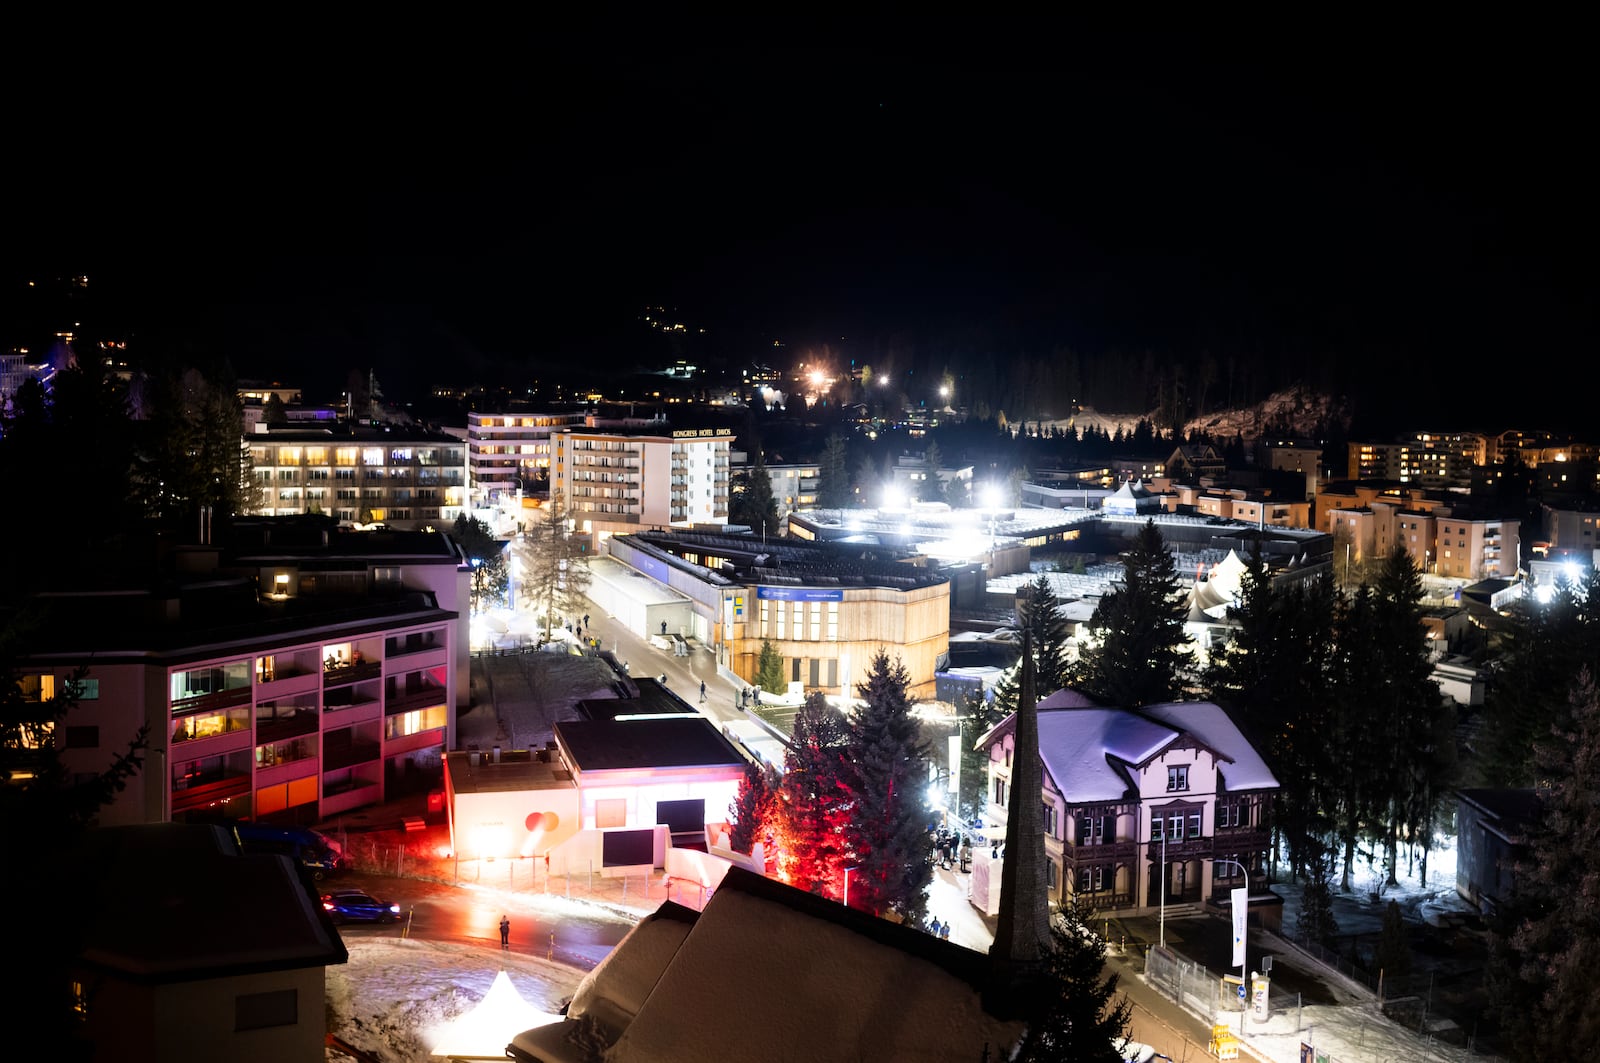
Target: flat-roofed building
<point>296,673</point>
<point>827,608</point>
<point>613,482</point>
<point>410,478</point>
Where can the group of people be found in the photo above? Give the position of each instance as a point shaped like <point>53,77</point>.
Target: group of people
<point>749,696</point>
<point>938,929</point>
<point>952,849</point>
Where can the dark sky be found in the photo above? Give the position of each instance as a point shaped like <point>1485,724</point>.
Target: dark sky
<point>1419,201</point>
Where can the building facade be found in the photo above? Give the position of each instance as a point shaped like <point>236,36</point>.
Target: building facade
<point>606,482</point>
<point>1163,805</point>
<point>410,478</point>
<point>826,608</point>
<point>275,685</point>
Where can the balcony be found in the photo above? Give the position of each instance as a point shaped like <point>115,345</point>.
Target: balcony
<point>207,787</point>
<point>405,701</point>
<point>346,752</point>
<point>283,727</point>
<point>341,674</point>
<point>222,699</point>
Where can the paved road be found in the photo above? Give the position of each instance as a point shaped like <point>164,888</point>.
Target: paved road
<point>436,911</point>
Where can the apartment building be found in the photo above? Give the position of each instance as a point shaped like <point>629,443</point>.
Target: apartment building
<point>612,482</point>
<point>1165,804</point>
<point>404,477</point>
<point>1442,537</point>
<point>794,487</point>
<point>510,451</point>
<point>1426,459</point>
<point>293,674</point>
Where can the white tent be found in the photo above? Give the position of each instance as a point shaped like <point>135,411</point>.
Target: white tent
<point>487,1028</point>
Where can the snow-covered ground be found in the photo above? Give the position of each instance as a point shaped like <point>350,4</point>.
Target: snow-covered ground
<point>1353,1030</point>
<point>410,1001</point>
<point>403,999</point>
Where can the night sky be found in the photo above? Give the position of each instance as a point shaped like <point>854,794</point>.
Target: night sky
<point>1415,204</point>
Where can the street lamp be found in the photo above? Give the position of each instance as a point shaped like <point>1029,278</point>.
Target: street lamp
<point>1241,935</point>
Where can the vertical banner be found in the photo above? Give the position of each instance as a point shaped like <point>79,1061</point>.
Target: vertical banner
<point>1241,916</point>
<point>955,764</point>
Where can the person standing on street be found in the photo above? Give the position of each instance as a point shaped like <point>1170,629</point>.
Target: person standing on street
<point>505,932</point>
<point>702,691</point>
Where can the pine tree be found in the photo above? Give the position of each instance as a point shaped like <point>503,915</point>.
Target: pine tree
<point>752,805</point>
<point>1548,644</point>
<point>1316,921</point>
<point>751,503</point>
<point>1272,676</point>
<point>1547,940</point>
<point>833,477</point>
<point>1407,709</point>
<point>1039,610</point>
<point>1140,650</point>
<point>811,802</point>
<point>769,668</point>
<point>887,779</point>
<point>1394,953</point>
<point>490,576</point>
<point>1081,1017</point>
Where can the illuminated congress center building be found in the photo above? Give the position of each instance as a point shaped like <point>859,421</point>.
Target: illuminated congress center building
<point>827,608</point>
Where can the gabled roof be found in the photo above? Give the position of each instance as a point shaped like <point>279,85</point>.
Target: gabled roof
<point>1089,750</point>
<point>1240,766</point>
<point>827,983</point>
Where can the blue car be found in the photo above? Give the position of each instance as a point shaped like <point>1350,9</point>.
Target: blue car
<point>353,906</point>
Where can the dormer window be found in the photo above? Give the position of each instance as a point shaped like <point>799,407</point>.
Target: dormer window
<point>1178,777</point>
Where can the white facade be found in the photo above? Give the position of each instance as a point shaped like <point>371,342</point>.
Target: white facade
<point>612,483</point>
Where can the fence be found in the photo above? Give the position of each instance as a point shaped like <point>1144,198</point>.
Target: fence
<point>1190,985</point>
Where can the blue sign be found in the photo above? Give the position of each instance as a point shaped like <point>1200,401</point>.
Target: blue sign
<point>1241,992</point>
<point>798,594</point>
<point>652,567</point>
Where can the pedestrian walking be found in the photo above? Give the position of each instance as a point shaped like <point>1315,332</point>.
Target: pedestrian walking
<point>702,691</point>
<point>505,932</point>
<point>944,930</point>
<point>585,619</point>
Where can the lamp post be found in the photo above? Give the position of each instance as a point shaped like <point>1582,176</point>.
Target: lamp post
<point>1241,932</point>
<point>1163,889</point>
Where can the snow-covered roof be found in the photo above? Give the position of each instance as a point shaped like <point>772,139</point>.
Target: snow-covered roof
<point>826,983</point>
<point>1240,766</point>
<point>1088,750</point>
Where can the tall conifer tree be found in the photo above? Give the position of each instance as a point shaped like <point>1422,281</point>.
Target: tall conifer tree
<point>886,834</point>
<point>1140,654</point>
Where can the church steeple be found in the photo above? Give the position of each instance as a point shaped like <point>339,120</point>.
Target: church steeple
<point>1022,934</point>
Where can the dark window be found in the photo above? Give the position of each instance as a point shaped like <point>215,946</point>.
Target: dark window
<point>257,1011</point>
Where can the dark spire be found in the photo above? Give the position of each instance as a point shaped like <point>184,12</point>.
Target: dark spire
<point>1022,934</point>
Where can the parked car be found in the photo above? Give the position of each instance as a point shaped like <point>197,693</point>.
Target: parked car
<point>354,906</point>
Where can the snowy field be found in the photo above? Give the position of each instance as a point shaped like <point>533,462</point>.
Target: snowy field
<point>402,1000</point>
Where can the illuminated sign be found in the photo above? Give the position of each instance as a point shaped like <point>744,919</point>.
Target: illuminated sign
<point>700,433</point>
<point>798,594</point>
